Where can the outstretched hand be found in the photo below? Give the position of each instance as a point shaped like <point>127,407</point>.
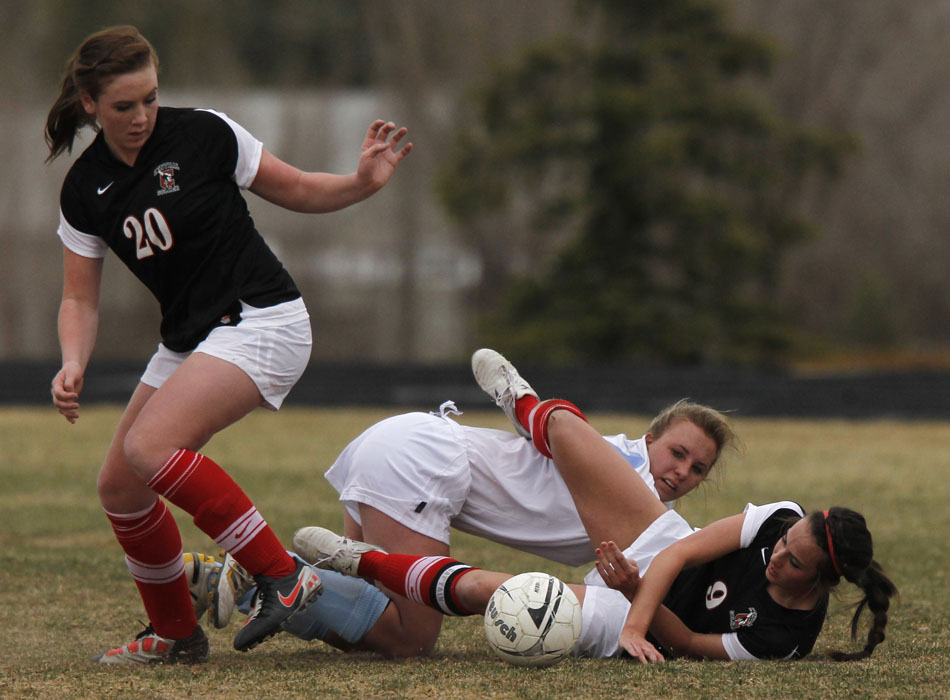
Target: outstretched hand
<point>618,572</point>
<point>378,156</point>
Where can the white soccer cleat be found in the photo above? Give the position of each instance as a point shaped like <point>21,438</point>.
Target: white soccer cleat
<point>227,589</point>
<point>149,648</point>
<point>202,571</point>
<point>327,550</point>
<point>499,379</point>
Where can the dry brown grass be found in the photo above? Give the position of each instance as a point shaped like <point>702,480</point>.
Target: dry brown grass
<point>65,594</point>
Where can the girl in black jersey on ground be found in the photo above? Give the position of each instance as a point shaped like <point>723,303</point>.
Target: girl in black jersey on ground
<point>161,187</point>
<point>713,596</point>
<point>794,568</point>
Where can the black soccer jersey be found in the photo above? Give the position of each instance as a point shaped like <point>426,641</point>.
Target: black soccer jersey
<point>178,220</point>
<point>728,596</point>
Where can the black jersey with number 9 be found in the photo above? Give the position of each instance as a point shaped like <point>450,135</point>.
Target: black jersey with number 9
<point>729,595</point>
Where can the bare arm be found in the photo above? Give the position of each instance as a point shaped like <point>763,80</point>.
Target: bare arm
<point>712,542</point>
<point>622,575</point>
<point>314,193</point>
<point>78,325</point>
<point>674,635</point>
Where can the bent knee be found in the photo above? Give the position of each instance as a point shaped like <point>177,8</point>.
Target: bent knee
<point>120,489</point>
<point>146,453</point>
<point>136,448</point>
<point>109,486</point>
<point>411,639</point>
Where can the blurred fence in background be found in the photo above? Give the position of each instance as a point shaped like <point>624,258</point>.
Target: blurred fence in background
<point>911,395</point>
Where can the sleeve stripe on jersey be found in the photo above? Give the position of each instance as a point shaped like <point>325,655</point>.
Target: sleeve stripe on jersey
<point>737,652</point>
<point>756,515</point>
<point>84,244</point>
<point>249,151</point>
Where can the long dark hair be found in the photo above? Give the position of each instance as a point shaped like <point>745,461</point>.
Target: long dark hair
<point>843,535</point>
<point>102,56</point>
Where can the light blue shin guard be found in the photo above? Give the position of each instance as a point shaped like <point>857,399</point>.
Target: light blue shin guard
<point>348,606</point>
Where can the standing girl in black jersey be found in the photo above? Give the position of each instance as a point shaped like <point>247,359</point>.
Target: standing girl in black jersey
<point>160,187</point>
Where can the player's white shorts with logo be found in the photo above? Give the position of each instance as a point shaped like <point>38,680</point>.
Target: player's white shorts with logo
<point>271,345</point>
<point>412,467</point>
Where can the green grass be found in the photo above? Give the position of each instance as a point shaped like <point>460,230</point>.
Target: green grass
<point>65,593</point>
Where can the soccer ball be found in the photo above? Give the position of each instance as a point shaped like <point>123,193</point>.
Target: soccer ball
<point>533,619</point>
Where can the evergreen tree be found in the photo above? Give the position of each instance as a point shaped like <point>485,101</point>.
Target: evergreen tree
<point>655,185</point>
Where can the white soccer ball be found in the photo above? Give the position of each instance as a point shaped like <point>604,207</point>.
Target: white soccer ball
<point>533,619</point>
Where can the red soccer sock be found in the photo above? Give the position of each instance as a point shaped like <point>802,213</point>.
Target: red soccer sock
<point>539,421</point>
<point>427,580</point>
<point>523,408</point>
<point>221,509</point>
<point>152,545</point>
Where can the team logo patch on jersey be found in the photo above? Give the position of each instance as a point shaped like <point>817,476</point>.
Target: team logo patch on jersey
<point>166,178</point>
<point>740,620</point>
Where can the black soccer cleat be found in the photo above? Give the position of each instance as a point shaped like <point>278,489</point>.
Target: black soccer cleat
<point>277,601</point>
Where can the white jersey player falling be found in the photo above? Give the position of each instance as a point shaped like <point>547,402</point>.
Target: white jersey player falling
<point>431,474</point>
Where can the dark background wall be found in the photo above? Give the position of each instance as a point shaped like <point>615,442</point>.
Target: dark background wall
<point>917,394</point>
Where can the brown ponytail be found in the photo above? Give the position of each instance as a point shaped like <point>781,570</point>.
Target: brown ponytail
<point>102,56</point>
<point>844,532</point>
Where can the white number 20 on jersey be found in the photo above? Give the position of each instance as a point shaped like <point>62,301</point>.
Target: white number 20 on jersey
<point>154,234</point>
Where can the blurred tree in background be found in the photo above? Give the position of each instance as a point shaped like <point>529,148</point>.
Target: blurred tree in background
<point>655,188</point>
<point>627,193</point>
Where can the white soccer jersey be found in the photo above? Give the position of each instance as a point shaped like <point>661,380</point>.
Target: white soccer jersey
<point>430,473</point>
<point>518,498</point>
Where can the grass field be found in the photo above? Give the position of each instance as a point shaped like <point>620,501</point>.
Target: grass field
<point>65,593</point>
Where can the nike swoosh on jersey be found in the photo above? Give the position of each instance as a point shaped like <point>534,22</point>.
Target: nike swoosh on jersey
<point>102,190</point>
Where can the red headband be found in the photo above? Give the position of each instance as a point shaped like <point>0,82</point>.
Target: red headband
<point>831,547</point>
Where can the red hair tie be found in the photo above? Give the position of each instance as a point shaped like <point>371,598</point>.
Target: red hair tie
<point>831,547</point>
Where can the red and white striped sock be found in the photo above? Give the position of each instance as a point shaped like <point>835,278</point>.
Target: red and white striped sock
<point>152,545</point>
<point>427,580</point>
<point>538,421</point>
<point>221,509</point>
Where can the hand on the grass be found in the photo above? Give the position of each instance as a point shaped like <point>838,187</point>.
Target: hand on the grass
<point>618,572</point>
<point>638,647</point>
